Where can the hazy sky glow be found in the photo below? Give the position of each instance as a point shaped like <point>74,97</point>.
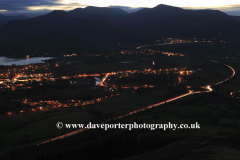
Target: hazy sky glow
<point>36,7</point>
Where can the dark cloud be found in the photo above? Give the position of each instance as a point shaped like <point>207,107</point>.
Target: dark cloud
<point>127,9</point>
<point>28,13</point>
<point>232,10</point>
<point>233,13</point>
<point>21,5</point>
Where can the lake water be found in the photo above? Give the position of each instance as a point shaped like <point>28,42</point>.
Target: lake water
<point>126,62</point>
<point>10,61</point>
<point>98,80</point>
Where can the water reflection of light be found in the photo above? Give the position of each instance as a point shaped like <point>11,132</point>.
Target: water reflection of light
<point>98,80</point>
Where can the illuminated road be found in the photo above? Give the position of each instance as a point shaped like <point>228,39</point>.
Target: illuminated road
<point>121,116</point>
<point>103,80</point>
<point>147,107</point>
<point>127,114</point>
<point>227,78</point>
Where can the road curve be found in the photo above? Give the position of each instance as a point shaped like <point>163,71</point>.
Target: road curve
<point>145,108</point>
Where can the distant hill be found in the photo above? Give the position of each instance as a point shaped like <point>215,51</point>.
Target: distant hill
<point>95,24</point>
<point>25,35</point>
<point>168,21</point>
<point>236,17</point>
<point>4,19</point>
<point>33,27</point>
<point>60,22</point>
<point>106,13</point>
<point>52,44</point>
<point>112,26</point>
